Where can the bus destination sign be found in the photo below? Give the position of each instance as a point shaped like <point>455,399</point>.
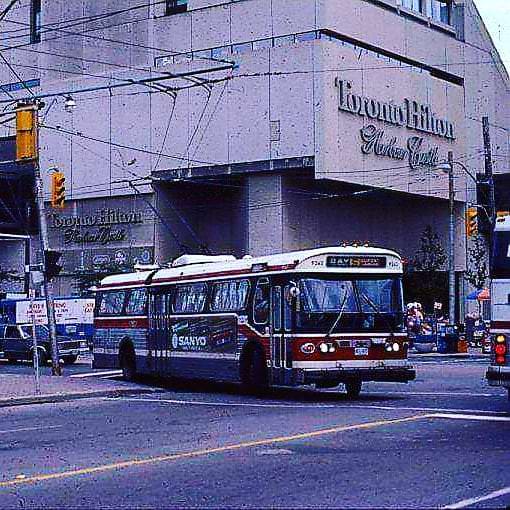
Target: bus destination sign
<point>356,261</point>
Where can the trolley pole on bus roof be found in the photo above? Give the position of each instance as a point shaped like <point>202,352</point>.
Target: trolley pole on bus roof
<point>27,151</point>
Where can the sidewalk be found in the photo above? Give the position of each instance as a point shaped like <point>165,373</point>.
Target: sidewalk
<point>20,389</point>
<point>473,353</point>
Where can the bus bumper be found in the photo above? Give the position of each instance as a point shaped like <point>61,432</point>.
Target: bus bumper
<point>498,376</point>
<point>402,372</point>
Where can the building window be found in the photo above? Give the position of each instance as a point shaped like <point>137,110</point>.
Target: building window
<point>415,5</point>
<point>35,21</point>
<point>176,6</point>
<point>440,10</point>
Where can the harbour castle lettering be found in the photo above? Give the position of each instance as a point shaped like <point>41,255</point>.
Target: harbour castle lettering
<point>375,143</point>
<point>411,114</point>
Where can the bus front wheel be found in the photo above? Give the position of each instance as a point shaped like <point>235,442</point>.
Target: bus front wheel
<point>353,388</point>
<point>128,363</point>
<point>254,372</point>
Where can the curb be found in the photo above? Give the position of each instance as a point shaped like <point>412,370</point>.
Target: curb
<point>443,357</point>
<point>67,397</point>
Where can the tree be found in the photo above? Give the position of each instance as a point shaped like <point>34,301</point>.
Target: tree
<point>477,273</point>
<point>425,278</point>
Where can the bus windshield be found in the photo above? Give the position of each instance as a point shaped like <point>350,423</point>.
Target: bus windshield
<point>363,304</point>
<point>501,256</point>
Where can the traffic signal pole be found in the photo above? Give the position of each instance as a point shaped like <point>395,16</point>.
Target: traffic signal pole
<point>56,368</point>
<point>27,149</point>
<point>451,241</point>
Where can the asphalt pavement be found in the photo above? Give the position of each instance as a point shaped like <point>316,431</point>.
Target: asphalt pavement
<point>441,440</point>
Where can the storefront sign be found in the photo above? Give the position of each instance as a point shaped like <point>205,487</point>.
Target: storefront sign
<point>102,236</point>
<point>105,219</point>
<point>411,114</point>
<point>374,141</point>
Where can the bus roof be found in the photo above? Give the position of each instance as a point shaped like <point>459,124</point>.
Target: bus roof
<point>224,265</point>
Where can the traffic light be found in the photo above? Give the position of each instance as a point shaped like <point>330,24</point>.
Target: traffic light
<point>52,268</point>
<point>472,222</point>
<point>26,133</point>
<point>58,190</point>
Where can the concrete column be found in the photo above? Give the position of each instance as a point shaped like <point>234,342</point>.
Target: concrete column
<point>265,214</point>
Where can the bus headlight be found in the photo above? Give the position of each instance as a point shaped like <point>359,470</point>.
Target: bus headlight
<point>392,347</point>
<point>325,348</point>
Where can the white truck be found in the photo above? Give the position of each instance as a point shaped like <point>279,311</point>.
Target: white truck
<point>498,373</point>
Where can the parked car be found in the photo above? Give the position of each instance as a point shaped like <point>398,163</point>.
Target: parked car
<point>16,343</point>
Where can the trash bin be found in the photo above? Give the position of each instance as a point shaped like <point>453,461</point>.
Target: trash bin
<point>447,339</point>
<point>452,339</point>
<point>424,344</point>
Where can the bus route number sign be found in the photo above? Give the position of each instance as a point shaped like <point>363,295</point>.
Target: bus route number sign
<point>349,261</point>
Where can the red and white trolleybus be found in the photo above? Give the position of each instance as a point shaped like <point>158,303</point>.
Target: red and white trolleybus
<point>325,316</point>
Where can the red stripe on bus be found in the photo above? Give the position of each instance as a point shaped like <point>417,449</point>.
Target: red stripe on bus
<point>500,325</point>
<point>125,323</point>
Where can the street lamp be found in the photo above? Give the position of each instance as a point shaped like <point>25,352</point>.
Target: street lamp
<point>447,167</point>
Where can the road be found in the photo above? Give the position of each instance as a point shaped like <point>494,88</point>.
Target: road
<point>442,440</point>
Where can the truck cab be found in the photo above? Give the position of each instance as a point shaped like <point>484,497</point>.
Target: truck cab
<point>16,343</point>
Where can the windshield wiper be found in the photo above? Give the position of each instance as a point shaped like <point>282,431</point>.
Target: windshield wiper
<point>377,310</point>
<point>339,316</point>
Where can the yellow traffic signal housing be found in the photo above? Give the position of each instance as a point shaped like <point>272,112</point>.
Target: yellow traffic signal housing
<point>471,222</point>
<point>26,133</point>
<point>58,190</point>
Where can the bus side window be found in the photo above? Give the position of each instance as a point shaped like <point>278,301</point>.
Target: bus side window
<point>112,303</point>
<point>137,302</point>
<point>261,302</point>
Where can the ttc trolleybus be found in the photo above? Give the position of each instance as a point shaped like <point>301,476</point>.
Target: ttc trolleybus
<point>324,316</point>
<point>498,373</point>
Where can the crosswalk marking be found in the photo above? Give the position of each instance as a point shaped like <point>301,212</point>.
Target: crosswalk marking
<point>97,374</point>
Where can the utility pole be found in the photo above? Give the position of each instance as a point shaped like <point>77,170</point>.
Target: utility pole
<point>489,178</point>
<point>27,150</point>
<point>451,243</point>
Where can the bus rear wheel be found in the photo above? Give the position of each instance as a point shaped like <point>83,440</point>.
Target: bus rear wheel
<point>128,363</point>
<point>69,360</point>
<point>353,388</point>
<point>254,372</point>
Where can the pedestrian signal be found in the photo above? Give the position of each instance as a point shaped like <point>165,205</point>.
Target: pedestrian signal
<point>26,133</point>
<point>472,222</point>
<point>58,190</point>
<point>51,265</point>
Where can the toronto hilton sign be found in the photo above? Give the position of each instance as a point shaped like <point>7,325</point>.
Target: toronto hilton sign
<point>410,114</point>
<point>100,228</point>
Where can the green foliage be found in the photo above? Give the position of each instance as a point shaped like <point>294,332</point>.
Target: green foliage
<point>431,256</point>
<point>425,279</point>
<point>477,273</point>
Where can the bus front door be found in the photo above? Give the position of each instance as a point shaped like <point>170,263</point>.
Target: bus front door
<point>281,356</point>
<point>160,333</point>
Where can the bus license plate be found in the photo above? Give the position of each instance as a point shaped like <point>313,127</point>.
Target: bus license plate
<point>361,351</point>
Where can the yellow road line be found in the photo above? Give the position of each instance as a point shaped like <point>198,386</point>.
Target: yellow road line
<point>198,453</point>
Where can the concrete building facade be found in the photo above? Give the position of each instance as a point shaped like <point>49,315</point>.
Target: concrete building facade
<point>299,123</point>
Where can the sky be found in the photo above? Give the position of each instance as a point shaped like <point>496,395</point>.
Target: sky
<point>496,16</point>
